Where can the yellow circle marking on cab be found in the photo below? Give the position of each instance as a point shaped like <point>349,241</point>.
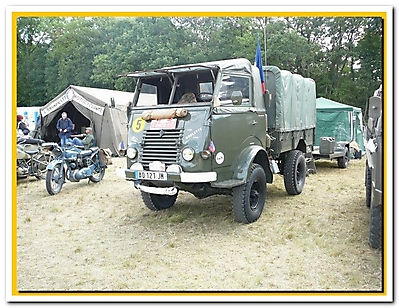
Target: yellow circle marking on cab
<point>138,125</point>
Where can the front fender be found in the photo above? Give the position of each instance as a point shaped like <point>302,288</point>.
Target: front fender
<point>250,155</point>
<point>53,163</point>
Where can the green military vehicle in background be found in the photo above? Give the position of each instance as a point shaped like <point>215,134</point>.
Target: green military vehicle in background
<point>373,135</point>
<point>208,128</point>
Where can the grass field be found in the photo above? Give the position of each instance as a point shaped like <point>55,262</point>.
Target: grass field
<point>96,237</point>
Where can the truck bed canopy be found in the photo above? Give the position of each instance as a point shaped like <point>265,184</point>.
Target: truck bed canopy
<point>293,100</point>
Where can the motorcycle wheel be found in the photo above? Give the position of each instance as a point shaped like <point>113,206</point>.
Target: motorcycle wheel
<point>98,174</point>
<point>55,179</point>
<point>40,166</point>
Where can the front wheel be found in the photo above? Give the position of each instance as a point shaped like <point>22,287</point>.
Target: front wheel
<point>368,185</point>
<point>157,202</point>
<point>55,178</point>
<point>249,198</point>
<point>375,237</point>
<point>294,172</point>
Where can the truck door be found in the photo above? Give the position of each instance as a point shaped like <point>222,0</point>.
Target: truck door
<point>234,126</point>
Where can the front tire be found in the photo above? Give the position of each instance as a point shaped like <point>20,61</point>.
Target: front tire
<point>294,172</point>
<point>55,178</point>
<point>368,185</point>
<point>249,198</point>
<point>158,202</point>
<point>375,237</point>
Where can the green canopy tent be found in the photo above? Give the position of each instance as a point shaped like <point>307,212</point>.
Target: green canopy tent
<point>340,121</point>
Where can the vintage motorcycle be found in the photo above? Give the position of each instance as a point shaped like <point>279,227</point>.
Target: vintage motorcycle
<point>73,163</point>
<point>33,156</point>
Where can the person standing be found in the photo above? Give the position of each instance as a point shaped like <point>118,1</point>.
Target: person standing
<point>88,140</point>
<point>64,128</point>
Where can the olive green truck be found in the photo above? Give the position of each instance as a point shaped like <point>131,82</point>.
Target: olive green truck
<point>208,128</point>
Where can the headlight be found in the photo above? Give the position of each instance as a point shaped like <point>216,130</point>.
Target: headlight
<point>131,153</point>
<point>188,154</point>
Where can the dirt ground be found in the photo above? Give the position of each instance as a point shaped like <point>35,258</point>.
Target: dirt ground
<point>101,237</point>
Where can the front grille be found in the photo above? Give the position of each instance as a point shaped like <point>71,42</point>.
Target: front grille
<point>160,145</point>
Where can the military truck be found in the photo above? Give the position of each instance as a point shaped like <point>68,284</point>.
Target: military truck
<point>373,135</point>
<point>208,128</point>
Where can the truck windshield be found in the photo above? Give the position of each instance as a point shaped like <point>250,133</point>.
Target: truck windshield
<point>180,85</point>
<point>187,88</point>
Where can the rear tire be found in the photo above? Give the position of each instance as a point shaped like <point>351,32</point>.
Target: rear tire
<point>249,199</point>
<point>98,174</point>
<point>40,166</point>
<point>294,172</point>
<point>99,170</point>
<point>343,161</point>
<point>54,180</point>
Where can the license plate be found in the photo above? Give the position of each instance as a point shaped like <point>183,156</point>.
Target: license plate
<point>151,175</point>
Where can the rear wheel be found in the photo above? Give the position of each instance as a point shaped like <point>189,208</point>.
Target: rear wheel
<point>99,170</point>
<point>98,174</point>
<point>40,164</point>
<point>55,178</point>
<point>343,161</point>
<point>294,172</point>
<point>249,198</point>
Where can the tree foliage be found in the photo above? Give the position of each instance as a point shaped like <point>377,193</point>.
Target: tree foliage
<point>343,55</point>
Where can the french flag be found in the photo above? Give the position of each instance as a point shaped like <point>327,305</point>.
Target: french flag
<point>258,63</point>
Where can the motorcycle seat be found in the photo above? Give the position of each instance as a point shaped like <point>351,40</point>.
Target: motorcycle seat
<point>32,141</point>
<point>31,151</point>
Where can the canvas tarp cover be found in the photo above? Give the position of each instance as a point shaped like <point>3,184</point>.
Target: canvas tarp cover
<point>239,65</point>
<point>293,100</point>
<point>340,121</point>
<point>89,107</point>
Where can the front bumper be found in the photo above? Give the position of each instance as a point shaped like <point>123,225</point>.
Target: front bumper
<point>132,174</point>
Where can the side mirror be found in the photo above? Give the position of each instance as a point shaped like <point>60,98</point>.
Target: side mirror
<point>236,97</point>
<point>375,107</point>
<point>205,97</point>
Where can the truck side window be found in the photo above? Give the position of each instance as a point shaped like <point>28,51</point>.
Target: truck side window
<point>235,83</point>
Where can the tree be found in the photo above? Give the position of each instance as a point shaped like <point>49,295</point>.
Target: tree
<point>343,55</point>
<point>31,60</point>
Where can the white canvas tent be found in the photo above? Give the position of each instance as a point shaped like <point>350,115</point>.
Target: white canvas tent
<point>102,109</point>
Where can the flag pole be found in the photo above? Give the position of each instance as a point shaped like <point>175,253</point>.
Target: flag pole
<point>265,39</point>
